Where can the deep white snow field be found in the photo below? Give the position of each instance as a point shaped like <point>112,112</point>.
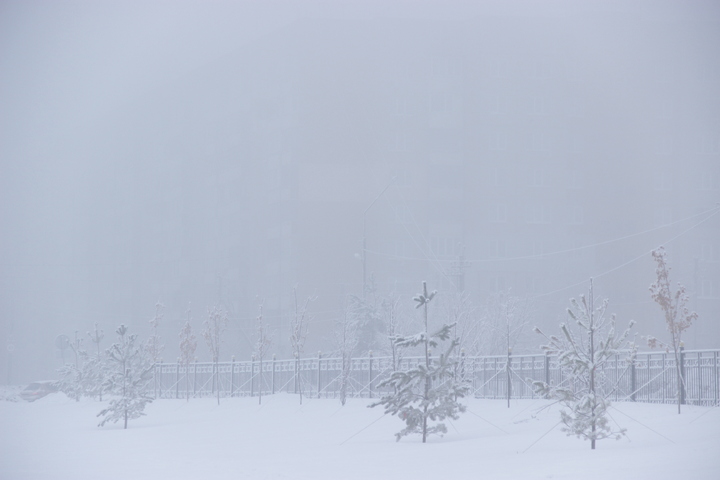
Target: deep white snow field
<point>57,438</point>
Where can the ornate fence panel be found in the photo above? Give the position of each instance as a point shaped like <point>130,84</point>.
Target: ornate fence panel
<point>651,377</point>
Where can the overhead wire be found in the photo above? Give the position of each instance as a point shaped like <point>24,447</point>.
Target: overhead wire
<point>634,259</point>
<point>711,211</point>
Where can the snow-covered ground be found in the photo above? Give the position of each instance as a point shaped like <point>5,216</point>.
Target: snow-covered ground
<point>57,438</point>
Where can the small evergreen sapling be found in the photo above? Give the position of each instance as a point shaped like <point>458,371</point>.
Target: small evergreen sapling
<point>430,391</point>
<point>127,378</point>
<point>582,355</point>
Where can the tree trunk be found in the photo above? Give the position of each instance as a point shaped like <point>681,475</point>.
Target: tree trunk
<point>427,377</point>
<point>592,365</point>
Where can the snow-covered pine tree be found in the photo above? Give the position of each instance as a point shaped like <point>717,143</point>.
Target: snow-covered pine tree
<point>678,317</point>
<point>430,391</point>
<point>153,345</point>
<point>262,345</point>
<point>188,344</point>
<point>215,326</point>
<point>582,355</point>
<point>128,374</point>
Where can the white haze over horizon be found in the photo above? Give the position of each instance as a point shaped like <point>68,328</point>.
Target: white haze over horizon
<point>203,153</point>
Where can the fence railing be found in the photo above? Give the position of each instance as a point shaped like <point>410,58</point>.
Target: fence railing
<point>651,377</point>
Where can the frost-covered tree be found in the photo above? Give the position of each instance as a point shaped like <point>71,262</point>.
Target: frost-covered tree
<point>188,344</point>
<point>346,341</point>
<point>73,381</point>
<point>262,345</point>
<point>459,310</point>
<point>153,345</point>
<point>506,320</point>
<point>298,334</point>
<point>678,317</point>
<point>430,391</point>
<point>215,326</point>
<point>394,326</point>
<point>128,374</point>
<point>365,311</point>
<point>582,352</point>
<point>95,367</point>
<point>84,378</point>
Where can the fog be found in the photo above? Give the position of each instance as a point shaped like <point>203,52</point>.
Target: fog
<point>224,154</point>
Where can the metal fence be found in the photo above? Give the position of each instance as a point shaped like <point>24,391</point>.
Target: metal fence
<point>651,377</point>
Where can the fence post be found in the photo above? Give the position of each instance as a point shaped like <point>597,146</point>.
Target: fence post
<point>177,379</point>
<point>547,368</point>
<point>664,380</point>
<point>318,373</point>
<point>474,375</point>
<point>496,394</point>
<point>484,386</point>
<point>682,374</point>
<point>273,374</point>
<point>155,379</point>
<point>195,378</point>
<point>232,376</point>
<point>509,379</point>
<point>716,376</point>
<point>370,378</point>
<point>252,375</point>
<point>699,378</point>
<point>633,380</point>
<point>297,372</point>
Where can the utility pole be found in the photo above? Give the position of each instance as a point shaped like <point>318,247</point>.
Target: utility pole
<point>457,270</point>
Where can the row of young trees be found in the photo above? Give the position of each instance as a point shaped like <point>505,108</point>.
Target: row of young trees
<point>424,395</point>
<point>124,370</point>
<point>590,339</point>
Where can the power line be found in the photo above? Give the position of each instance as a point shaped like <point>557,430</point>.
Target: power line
<point>642,255</point>
<point>711,211</point>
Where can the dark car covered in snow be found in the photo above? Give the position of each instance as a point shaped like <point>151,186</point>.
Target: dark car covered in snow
<point>37,390</point>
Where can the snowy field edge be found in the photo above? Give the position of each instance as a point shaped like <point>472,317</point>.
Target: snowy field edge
<point>56,438</point>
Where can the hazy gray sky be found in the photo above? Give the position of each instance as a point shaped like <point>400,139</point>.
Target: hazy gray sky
<point>214,151</point>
